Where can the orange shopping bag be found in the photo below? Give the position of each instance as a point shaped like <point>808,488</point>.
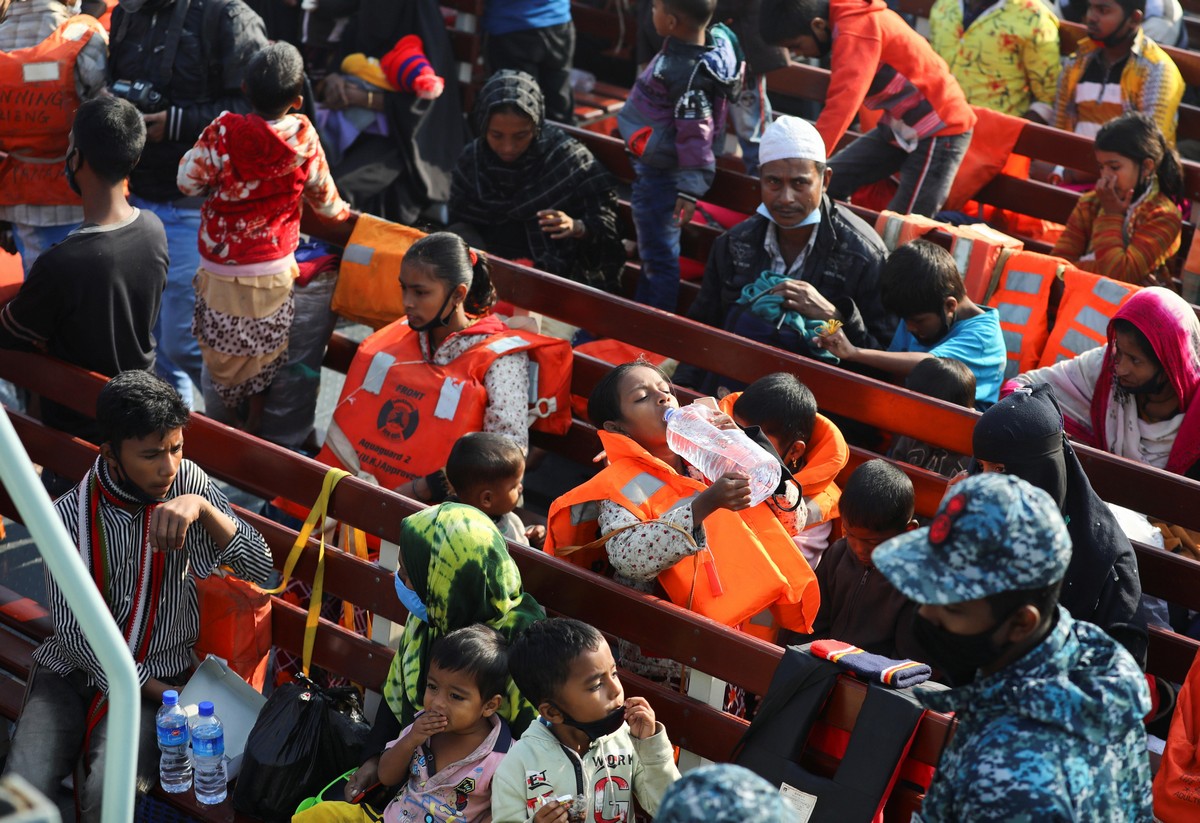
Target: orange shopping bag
<point>235,625</point>
<point>1177,784</point>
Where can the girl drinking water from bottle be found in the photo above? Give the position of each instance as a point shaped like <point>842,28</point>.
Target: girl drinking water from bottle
<point>659,527</point>
<point>1128,227</point>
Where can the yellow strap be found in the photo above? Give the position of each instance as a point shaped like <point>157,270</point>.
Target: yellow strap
<point>354,538</point>
<point>315,516</point>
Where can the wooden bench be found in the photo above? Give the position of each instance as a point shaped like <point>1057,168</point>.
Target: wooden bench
<point>560,587</point>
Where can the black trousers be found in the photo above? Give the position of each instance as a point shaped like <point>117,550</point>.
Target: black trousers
<point>544,54</point>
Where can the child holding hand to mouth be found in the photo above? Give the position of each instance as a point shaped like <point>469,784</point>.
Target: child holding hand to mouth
<point>591,750</point>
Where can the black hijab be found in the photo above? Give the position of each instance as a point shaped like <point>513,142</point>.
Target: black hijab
<point>1024,431</point>
<point>555,172</point>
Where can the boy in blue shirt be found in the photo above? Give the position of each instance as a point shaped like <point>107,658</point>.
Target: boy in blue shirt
<point>921,284</point>
<point>675,113</point>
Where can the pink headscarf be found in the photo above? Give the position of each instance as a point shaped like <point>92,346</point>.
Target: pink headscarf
<point>1171,326</point>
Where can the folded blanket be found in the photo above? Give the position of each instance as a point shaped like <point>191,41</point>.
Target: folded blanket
<point>768,305</point>
<point>899,674</point>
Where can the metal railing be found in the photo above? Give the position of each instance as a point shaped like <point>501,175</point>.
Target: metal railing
<point>61,556</point>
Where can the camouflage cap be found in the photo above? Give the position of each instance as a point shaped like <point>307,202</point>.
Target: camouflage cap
<point>724,793</point>
<point>992,533</point>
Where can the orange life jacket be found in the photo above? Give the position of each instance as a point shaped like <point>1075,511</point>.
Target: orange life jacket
<point>750,564</point>
<point>1176,796</point>
<point>896,229</point>
<point>825,455</point>
<point>368,285</point>
<point>399,414</point>
<point>1021,296</point>
<point>38,101</point>
<point>1089,301</point>
<point>977,249</point>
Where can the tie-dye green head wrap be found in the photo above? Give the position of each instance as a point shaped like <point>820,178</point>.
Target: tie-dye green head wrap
<point>458,564</point>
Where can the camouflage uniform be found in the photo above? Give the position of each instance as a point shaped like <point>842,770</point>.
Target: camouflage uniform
<point>1056,735</point>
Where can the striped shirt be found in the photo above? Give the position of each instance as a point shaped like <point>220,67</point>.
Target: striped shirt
<point>1149,82</point>
<point>174,631</point>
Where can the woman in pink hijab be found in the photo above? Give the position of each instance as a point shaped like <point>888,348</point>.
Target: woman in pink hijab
<point>1137,396</point>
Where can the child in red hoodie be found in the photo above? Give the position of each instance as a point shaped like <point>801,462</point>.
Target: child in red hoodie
<point>879,62</point>
<point>255,169</point>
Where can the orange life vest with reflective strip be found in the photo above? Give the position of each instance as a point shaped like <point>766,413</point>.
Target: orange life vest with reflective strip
<point>977,249</point>
<point>825,455</point>
<point>1089,301</point>
<point>750,564</point>
<point>1022,299</point>
<point>399,415</point>
<point>38,101</point>
<point>896,229</point>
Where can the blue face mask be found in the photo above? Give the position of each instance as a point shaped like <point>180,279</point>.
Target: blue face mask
<point>813,218</point>
<point>410,600</point>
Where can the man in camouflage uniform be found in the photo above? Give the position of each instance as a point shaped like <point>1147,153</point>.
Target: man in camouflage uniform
<point>1049,708</point>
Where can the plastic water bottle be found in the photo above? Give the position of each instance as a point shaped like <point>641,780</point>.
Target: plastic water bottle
<point>208,747</point>
<point>714,452</point>
<point>174,766</point>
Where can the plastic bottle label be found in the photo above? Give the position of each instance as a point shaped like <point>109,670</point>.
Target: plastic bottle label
<point>176,736</point>
<point>208,746</point>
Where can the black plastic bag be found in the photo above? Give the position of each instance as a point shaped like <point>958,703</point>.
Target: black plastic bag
<point>303,737</point>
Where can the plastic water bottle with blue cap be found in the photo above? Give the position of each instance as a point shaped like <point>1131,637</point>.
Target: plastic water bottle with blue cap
<point>208,748</point>
<point>692,434</point>
<point>174,765</point>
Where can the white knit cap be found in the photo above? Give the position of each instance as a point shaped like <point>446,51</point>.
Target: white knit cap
<point>791,138</point>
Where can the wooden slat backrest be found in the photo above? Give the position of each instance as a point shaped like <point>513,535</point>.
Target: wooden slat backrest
<point>269,470</point>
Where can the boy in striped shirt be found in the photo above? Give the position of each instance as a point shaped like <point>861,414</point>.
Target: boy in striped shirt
<point>147,523</point>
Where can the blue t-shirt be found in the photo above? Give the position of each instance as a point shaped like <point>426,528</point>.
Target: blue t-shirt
<point>505,16</point>
<point>977,342</point>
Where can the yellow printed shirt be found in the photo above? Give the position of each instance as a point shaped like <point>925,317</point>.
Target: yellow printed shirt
<point>1149,83</point>
<point>1006,60</point>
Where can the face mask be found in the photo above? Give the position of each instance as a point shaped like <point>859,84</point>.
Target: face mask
<point>119,474</point>
<point>1152,386</point>
<point>813,218</point>
<point>438,320</point>
<point>1120,34</point>
<point>411,601</point>
<point>70,172</point>
<point>960,656</point>
<point>594,729</point>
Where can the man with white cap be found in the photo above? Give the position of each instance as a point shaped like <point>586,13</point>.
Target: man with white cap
<point>1049,708</point>
<point>827,261</point>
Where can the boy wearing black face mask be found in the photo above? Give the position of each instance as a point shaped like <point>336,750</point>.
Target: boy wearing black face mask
<point>93,299</point>
<point>591,748</point>
<point>1049,708</point>
<point>1117,54</point>
<point>148,524</point>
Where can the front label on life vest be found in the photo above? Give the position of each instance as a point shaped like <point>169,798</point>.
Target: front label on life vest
<point>451,393</point>
<point>803,802</point>
<point>40,72</point>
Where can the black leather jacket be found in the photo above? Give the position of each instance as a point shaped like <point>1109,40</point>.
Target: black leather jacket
<point>844,265</point>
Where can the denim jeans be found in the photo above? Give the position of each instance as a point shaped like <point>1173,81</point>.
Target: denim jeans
<point>653,202</point>
<point>31,241</point>
<point>750,114</point>
<point>178,354</point>
<point>49,739</point>
<point>925,173</point>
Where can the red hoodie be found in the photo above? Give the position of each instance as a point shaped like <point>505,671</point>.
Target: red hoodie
<point>879,61</point>
<point>255,173</point>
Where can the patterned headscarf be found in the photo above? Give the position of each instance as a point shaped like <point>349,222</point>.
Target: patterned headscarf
<point>458,564</point>
<point>724,793</point>
<point>1170,325</point>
